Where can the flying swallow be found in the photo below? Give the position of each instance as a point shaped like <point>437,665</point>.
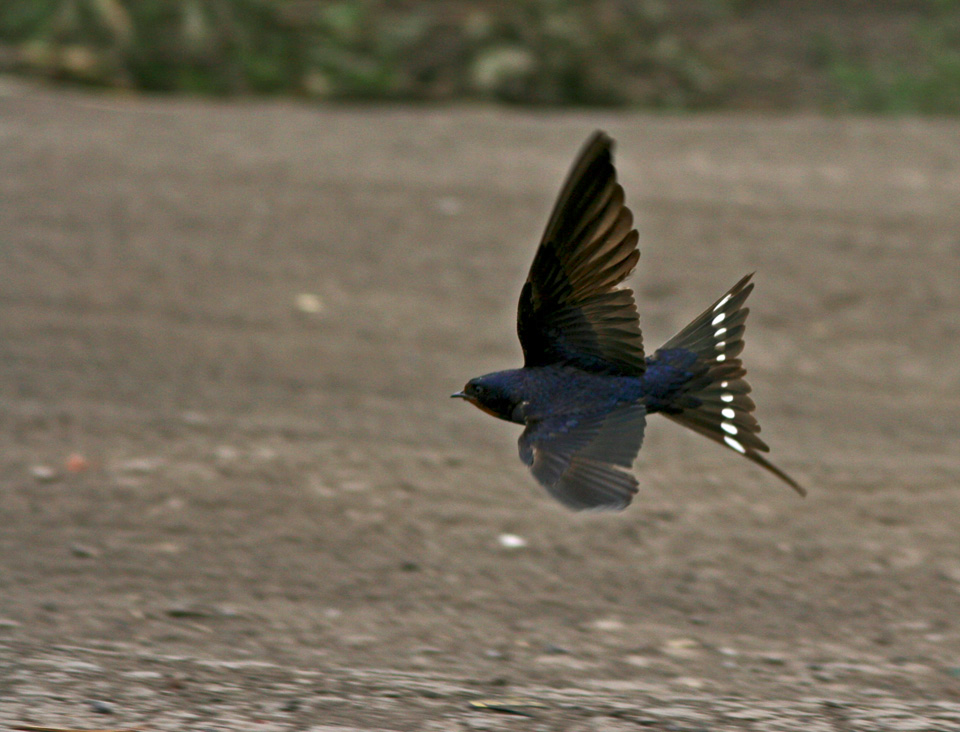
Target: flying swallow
<point>586,387</point>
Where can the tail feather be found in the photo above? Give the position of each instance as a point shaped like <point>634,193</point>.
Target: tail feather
<point>714,400</point>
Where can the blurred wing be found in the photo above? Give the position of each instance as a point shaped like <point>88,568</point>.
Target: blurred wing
<point>584,462</point>
<point>570,309</point>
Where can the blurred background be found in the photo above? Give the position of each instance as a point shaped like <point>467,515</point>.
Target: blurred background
<point>884,56</point>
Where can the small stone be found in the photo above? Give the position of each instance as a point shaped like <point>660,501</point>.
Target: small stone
<point>511,541</point>
<point>681,647</point>
<point>606,624</point>
<point>101,707</point>
<point>77,463</point>
<point>43,473</point>
<point>308,303</point>
<point>83,551</point>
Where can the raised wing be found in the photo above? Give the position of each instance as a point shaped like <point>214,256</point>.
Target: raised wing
<point>571,310</point>
<point>584,462</point>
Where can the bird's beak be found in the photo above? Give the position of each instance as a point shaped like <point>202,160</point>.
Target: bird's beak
<point>458,395</point>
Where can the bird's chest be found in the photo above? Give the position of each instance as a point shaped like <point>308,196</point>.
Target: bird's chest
<point>552,391</point>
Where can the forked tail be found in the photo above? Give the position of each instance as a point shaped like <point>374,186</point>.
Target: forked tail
<point>712,396</point>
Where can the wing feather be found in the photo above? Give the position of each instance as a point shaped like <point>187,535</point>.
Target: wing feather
<point>584,461</point>
<point>571,310</point>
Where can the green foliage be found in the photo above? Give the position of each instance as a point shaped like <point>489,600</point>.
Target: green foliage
<point>523,51</point>
<point>928,83</point>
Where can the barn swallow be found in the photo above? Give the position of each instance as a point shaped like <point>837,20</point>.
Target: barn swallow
<point>586,387</point>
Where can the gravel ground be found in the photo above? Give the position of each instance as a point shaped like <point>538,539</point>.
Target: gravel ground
<point>235,495</point>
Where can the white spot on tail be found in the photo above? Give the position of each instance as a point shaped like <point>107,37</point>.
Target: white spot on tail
<point>719,319</point>
<point>735,445</point>
<point>728,428</point>
<point>724,384</point>
<point>720,332</point>
<point>726,398</point>
<point>722,357</point>
<point>721,345</point>
<point>728,413</point>
<point>723,301</point>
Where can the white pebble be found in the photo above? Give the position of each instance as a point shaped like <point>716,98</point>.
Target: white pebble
<point>512,541</point>
<point>309,303</point>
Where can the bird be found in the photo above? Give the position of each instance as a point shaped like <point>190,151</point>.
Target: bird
<point>586,387</point>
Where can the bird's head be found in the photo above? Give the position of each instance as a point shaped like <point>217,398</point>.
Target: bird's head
<point>495,394</point>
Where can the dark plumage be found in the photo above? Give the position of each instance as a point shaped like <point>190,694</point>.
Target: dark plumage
<point>586,387</point>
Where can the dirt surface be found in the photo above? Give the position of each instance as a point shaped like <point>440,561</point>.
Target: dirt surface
<point>235,495</point>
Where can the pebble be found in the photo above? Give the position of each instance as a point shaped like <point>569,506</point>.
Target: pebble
<point>606,624</point>
<point>84,551</point>
<point>190,611</point>
<point>77,463</point>
<point>100,707</point>
<point>43,473</point>
<point>309,303</point>
<point>681,647</point>
<point>511,541</point>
